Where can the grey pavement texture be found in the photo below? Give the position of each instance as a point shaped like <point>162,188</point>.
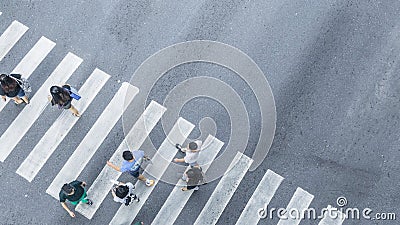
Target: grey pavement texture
<point>332,65</point>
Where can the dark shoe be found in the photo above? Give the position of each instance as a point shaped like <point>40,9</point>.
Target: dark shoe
<point>136,198</point>
<point>146,158</point>
<point>179,147</point>
<point>89,202</point>
<point>76,114</point>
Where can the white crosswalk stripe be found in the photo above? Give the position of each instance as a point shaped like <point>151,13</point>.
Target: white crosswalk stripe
<point>137,135</point>
<point>31,112</point>
<point>333,218</point>
<point>10,37</point>
<point>177,199</point>
<point>93,139</point>
<point>161,160</point>
<point>34,57</point>
<point>299,202</point>
<point>32,60</point>
<point>60,128</point>
<point>260,199</point>
<point>224,191</point>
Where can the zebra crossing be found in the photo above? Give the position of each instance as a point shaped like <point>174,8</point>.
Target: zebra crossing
<point>177,200</point>
<point>165,154</point>
<point>37,104</point>
<point>34,57</point>
<point>93,139</point>
<point>10,37</point>
<point>266,188</point>
<point>301,200</point>
<point>224,191</point>
<point>61,127</point>
<point>32,60</point>
<point>328,220</point>
<point>90,144</point>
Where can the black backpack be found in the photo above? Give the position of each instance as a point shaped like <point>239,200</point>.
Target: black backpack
<point>122,192</point>
<point>196,176</point>
<point>130,198</point>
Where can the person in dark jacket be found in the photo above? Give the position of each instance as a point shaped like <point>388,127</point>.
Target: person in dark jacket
<point>193,177</point>
<point>74,192</point>
<point>61,97</point>
<point>9,87</point>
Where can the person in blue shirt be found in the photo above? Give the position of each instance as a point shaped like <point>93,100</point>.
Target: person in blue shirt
<point>131,164</point>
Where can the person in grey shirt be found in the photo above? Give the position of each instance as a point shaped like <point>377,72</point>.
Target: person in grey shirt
<point>192,153</point>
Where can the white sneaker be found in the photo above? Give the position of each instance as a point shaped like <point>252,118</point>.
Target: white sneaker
<point>184,177</point>
<point>149,183</point>
<point>196,188</point>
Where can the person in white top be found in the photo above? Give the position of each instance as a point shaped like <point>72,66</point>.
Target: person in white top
<point>123,193</point>
<point>192,153</point>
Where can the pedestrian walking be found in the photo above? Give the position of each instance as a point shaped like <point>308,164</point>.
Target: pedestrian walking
<point>10,87</point>
<point>74,192</point>
<point>192,153</point>
<point>193,177</point>
<point>132,162</point>
<point>62,97</point>
<point>123,193</point>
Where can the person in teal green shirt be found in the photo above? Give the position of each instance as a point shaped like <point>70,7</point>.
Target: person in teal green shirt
<point>74,192</point>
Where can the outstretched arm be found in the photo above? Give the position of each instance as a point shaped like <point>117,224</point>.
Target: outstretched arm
<point>72,214</point>
<point>113,193</point>
<point>113,166</point>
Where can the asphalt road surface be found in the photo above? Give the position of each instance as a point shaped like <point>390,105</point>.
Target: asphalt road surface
<point>332,67</point>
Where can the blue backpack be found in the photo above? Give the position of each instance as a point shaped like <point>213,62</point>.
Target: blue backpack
<point>74,94</point>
